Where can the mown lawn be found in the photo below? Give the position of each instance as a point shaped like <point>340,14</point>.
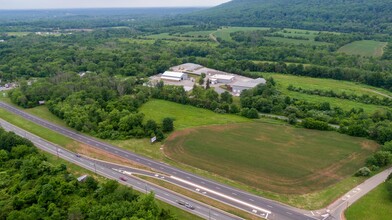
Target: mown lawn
<point>186,116</point>
<point>376,205</point>
<point>271,157</point>
<point>368,48</point>
<point>284,80</point>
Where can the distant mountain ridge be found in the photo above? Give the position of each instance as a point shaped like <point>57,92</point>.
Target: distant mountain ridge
<point>333,15</point>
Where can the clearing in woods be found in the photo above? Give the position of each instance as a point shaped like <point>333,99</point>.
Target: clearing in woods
<point>271,157</point>
<point>368,48</point>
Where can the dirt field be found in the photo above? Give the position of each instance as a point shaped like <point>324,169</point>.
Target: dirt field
<point>271,157</point>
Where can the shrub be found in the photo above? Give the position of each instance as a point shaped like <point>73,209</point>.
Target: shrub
<point>364,171</point>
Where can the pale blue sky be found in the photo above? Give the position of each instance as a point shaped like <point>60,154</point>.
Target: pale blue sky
<point>44,4</point>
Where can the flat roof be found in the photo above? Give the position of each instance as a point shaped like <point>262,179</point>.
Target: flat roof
<point>221,76</point>
<point>187,67</point>
<point>251,83</point>
<point>172,74</point>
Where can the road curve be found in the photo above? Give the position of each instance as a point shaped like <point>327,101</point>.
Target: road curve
<point>226,194</point>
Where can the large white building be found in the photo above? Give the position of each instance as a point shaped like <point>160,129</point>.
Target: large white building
<point>238,87</point>
<point>220,78</point>
<point>174,76</point>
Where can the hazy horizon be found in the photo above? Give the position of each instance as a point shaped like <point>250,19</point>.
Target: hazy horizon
<point>80,4</point>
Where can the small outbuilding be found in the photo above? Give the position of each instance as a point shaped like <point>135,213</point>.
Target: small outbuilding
<point>174,76</point>
<point>238,87</point>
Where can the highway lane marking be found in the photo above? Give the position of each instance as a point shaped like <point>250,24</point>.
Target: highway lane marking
<point>251,200</point>
<point>289,213</point>
<point>234,194</point>
<point>221,195</point>
<point>269,206</point>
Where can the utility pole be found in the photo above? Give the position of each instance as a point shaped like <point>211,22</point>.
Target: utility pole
<point>57,151</point>
<point>95,168</point>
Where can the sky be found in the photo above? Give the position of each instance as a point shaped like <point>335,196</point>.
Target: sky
<point>46,4</point>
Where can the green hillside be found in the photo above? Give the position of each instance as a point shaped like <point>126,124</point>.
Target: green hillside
<point>331,15</point>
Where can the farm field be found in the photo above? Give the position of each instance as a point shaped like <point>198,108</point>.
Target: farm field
<point>224,33</point>
<point>284,80</point>
<point>186,116</point>
<point>295,41</point>
<point>368,48</point>
<point>276,158</point>
<point>376,205</point>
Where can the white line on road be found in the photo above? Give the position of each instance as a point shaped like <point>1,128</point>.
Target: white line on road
<point>221,195</point>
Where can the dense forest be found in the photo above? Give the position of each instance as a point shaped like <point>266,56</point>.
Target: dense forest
<point>33,188</point>
<point>329,15</point>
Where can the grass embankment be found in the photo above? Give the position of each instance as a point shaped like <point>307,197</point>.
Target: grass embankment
<point>376,205</point>
<point>367,48</point>
<point>276,158</point>
<point>284,80</point>
<point>199,197</point>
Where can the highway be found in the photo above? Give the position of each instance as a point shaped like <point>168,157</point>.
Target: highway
<point>237,198</point>
<point>105,169</point>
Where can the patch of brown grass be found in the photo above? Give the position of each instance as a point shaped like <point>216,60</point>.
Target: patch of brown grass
<point>99,154</point>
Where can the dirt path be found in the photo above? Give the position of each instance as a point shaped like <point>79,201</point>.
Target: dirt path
<point>212,36</point>
<point>379,93</point>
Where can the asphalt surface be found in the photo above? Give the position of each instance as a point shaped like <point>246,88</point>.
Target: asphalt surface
<point>237,198</point>
<point>115,172</point>
<point>338,207</point>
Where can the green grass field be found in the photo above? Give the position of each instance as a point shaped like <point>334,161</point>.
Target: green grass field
<point>186,116</point>
<point>18,34</point>
<point>368,48</point>
<point>224,33</point>
<point>376,205</point>
<point>284,80</point>
<point>275,158</point>
<point>295,41</point>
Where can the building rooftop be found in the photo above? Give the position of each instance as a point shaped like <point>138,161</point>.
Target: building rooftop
<point>251,83</point>
<point>187,67</point>
<point>172,74</point>
<point>221,76</point>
